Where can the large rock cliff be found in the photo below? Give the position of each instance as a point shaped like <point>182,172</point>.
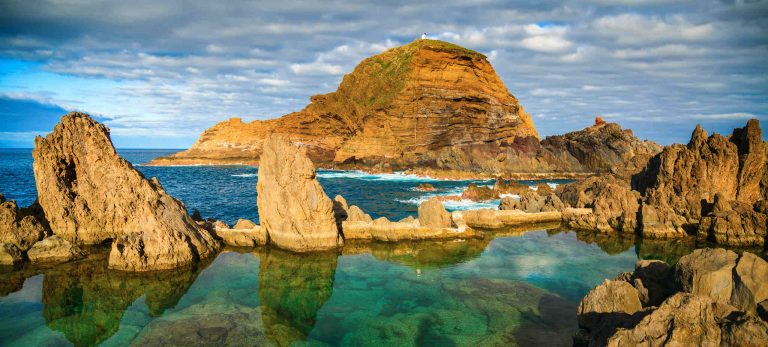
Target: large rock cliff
<point>92,195</point>
<point>399,107</point>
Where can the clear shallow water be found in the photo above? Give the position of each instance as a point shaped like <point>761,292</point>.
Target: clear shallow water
<point>510,288</point>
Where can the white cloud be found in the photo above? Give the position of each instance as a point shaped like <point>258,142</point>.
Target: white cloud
<point>548,44</point>
<point>631,28</point>
<point>316,68</point>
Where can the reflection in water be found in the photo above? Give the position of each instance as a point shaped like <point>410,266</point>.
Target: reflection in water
<point>422,254</point>
<point>292,289</point>
<point>511,288</point>
<point>85,300</point>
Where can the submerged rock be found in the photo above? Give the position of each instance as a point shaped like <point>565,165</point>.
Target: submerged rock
<point>293,208</point>
<point>54,249</point>
<point>479,193</point>
<point>19,227</point>
<point>91,195</point>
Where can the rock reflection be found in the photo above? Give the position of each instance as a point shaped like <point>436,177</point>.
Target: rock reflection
<point>422,254</point>
<point>292,289</point>
<point>86,301</point>
<point>611,244</point>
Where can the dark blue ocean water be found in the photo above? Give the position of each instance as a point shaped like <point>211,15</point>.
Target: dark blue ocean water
<point>229,192</point>
<point>510,288</point>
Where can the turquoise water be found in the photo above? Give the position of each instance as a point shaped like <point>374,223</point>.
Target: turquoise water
<point>511,288</point>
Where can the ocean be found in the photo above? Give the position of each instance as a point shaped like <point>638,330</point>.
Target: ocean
<point>511,288</point>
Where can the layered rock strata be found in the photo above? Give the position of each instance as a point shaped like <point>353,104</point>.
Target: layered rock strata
<point>91,195</point>
<point>295,212</point>
<point>428,104</point>
<point>693,303</point>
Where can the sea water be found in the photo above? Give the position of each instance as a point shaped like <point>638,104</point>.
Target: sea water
<point>511,288</point>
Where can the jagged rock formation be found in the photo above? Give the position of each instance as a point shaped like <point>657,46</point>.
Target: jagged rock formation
<point>602,147</point>
<point>533,202</point>
<point>20,227</point>
<point>91,195</point>
<point>427,104</point>
<point>392,107</point>
<point>681,182</point>
<point>715,187</point>
<point>293,208</point>
<point>692,304</point>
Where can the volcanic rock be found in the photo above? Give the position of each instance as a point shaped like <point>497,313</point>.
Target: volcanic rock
<point>479,193</point>
<point>532,202</point>
<point>614,203</point>
<point>750,279</point>
<point>707,272</point>
<point>91,195</point>
<point>601,147</point>
<point>682,320</point>
<point>393,107</point>
<point>487,218</point>
<point>293,208</point>
<point>19,227</point>
<point>683,180</point>
<point>734,223</point>
<point>425,187</point>
<point>9,254</point>
<point>244,233</point>
<point>54,249</point>
<point>432,214</point>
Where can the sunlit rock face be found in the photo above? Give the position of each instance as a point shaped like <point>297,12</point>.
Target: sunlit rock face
<point>293,207</point>
<point>401,106</point>
<point>91,195</point>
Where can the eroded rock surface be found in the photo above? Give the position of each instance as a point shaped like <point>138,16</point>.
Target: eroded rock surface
<point>719,300</point>
<point>54,249</point>
<point>91,195</point>
<point>19,227</point>
<point>293,208</point>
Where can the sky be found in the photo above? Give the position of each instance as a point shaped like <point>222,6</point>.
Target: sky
<point>158,73</point>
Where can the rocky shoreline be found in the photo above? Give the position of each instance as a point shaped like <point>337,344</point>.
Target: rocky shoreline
<point>711,297</point>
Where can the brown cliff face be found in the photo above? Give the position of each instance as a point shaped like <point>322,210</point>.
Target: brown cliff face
<point>91,195</point>
<point>398,107</point>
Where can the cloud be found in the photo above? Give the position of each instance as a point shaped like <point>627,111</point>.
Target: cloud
<point>181,66</point>
<point>630,28</point>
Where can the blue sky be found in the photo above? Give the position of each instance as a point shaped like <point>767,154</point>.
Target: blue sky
<point>159,73</point>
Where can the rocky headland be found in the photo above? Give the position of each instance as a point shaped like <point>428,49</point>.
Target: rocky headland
<point>432,107</point>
